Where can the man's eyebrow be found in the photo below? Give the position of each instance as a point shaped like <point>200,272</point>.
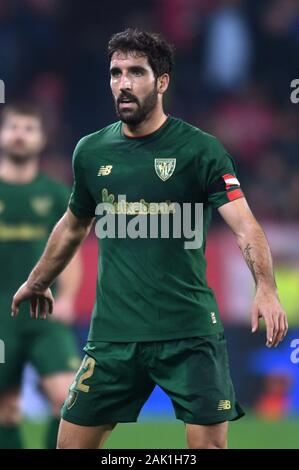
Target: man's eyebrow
<point>115,69</point>
<point>131,68</point>
<point>137,68</point>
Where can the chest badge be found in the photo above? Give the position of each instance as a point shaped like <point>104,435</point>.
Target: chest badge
<point>41,205</point>
<point>165,167</point>
<point>105,170</point>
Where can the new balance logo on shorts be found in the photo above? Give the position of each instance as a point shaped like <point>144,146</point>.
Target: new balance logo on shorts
<point>224,405</point>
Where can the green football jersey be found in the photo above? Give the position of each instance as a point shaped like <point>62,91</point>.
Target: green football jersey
<point>28,213</point>
<point>150,287</point>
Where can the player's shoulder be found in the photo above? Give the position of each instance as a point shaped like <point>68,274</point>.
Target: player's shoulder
<point>53,185</point>
<point>93,140</point>
<point>196,134</point>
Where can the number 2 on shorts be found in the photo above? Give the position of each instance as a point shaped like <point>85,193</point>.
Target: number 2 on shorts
<point>89,364</point>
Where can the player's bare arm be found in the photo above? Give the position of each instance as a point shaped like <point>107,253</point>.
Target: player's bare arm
<point>68,285</point>
<point>63,243</point>
<point>255,249</point>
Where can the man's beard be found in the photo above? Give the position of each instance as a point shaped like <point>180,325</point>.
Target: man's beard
<point>137,116</point>
<point>18,158</point>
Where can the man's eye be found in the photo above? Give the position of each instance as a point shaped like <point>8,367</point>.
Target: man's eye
<point>115,74</point>
<point>138,73</point>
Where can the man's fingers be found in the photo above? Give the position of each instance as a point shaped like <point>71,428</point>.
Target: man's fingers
<point>282,329</point>
<point>269,330</point>
<point>14,307</point>
<point>50,302</point>
<point>45,306</point>
<point>286,326</point>
<point>276,330</point>
<point>42,308</point>
<point>254,319</point>
<point>33,307</point>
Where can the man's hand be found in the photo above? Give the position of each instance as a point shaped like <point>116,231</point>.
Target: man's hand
<point>266,305</point>
<point>40,301</point>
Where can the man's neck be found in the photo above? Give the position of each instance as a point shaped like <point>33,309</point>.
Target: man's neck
<point>20,174</point>
<point>150,125</point>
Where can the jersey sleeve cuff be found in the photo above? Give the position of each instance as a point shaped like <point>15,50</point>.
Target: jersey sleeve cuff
<point>80,212</point>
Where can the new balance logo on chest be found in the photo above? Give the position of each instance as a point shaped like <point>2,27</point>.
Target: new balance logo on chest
<point>105,170</point>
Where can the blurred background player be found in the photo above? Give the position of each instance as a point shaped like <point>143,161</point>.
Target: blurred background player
<point>30,205</point>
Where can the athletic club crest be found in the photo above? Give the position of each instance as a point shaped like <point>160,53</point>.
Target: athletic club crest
<point>165,167</point>
<point>42,205</point>
<point>71,399</point>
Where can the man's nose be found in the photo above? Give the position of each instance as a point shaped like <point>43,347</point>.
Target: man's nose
<point>125,83</point>
<point>19,134</point>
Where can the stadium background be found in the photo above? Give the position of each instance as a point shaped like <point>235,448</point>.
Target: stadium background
<point>235,61</point>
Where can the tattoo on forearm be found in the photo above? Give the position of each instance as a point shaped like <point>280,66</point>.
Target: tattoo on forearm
<point>258,257</point>
<point>250,262</point>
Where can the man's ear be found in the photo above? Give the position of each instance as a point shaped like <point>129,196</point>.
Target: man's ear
<point>162,83</point>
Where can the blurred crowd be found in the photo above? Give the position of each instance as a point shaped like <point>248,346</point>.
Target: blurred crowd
<point>235,60</point>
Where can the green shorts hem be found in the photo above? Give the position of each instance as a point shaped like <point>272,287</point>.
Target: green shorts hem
<point>91,423</point>
<point>212,420</point>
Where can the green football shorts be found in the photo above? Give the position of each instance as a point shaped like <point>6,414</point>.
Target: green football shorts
<point>116,379</point>
<point>49,346</point>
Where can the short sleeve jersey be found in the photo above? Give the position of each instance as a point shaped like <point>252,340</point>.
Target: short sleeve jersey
<point>150,286</point>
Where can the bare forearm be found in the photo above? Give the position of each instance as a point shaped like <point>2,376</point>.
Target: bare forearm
<point>62,245</point>
<point>70,278</point>
<point>255,248</point>
<point>257,254</point>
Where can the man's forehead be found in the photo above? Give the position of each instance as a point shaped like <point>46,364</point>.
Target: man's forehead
<point>23,119</point>
<point>127,59</point>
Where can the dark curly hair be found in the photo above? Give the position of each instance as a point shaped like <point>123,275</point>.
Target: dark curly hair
<point>159,53</point>
<point>22,109</point>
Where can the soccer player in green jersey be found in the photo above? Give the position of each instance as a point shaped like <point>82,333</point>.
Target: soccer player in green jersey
<point>30,205</point>
<point>155,320</point>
